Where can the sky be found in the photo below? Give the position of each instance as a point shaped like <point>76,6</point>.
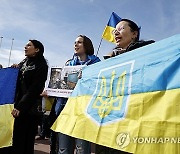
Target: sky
<point>57,23</point>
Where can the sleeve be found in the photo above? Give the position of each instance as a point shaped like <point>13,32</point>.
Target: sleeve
<point>34,90</point>
<point>96,59</point>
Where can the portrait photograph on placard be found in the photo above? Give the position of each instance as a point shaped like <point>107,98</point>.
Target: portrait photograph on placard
<point>62,81</point>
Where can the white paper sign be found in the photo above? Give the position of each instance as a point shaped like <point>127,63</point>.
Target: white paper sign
<point>62,81</point>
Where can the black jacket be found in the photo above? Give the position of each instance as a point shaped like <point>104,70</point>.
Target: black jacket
<point>117,51</point>
<point>31,81</point>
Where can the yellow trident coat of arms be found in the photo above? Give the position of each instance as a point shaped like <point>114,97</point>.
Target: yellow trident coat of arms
<point>110,98</point>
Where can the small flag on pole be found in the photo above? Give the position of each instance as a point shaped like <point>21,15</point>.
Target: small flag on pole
<point>113,21</point>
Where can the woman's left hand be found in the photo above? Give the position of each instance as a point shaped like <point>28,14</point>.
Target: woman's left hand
<point>15,65</point>
<point>15,113</point>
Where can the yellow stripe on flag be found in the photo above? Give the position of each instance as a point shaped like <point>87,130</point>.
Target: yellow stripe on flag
<point>49,102</point>
<point>151,123</point>
<point>6,125</point>
<point>108,35</point>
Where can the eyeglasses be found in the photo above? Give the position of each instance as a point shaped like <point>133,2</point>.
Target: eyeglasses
<point>117,30</point>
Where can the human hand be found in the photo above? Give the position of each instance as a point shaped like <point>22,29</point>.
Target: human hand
<point>80,74</point>
<point>44,94</point>
<point>15,113</point>
<point>15,65</point>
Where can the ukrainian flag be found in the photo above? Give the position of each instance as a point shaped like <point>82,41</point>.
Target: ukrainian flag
<point>130,102</point>
<point>8,78</point>
<point>113,21</point>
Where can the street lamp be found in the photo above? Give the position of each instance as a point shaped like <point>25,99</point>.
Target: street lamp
<point>10,52</point>
<point>1,41</point>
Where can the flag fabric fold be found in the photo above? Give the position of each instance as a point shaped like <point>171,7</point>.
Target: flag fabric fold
<point>8,78</point>
<point>113,21</point>
<point>129,102</point>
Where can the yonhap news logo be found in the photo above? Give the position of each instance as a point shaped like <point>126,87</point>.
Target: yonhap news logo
<point>124,139</point>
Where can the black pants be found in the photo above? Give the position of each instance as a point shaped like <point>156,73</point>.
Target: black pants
<point>53,142</point>
<point>25,129</point>
<point>6,150</point>
<point>55,111</point>
<point>45,127</point>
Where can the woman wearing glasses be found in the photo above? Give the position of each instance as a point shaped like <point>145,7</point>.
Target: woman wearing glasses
<point>126,35</point>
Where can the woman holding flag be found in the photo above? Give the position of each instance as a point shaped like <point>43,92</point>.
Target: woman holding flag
<point>126,35</point>
<point>32,76</point>
<point>83,55</point>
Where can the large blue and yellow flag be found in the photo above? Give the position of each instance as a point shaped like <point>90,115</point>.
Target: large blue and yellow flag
<point>8,78</point>
<point>130,102</point>
<point>113,21</point>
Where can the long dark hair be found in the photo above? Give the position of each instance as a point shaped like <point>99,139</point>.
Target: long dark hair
<point>88,46</point>
<point>39,55</point>
<point>38,45</point>
<point>134,27</point>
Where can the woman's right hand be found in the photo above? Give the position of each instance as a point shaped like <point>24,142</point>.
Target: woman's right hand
<point>44,94</point>
<point>15,65</point>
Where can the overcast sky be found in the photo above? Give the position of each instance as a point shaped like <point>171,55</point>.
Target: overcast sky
<point>57,23</point>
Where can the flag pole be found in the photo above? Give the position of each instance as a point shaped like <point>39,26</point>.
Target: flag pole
<point>10,52</point>
<point>99,46</point>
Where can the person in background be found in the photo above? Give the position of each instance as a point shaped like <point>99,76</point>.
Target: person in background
<point>1,66</point>
<point>31,80</point>
<point>126,35</point>
<point>57,106</point>
<point>47,103</point>
<point>84,55</point>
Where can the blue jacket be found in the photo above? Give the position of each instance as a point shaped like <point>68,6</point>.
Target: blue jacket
<point>91,59</point>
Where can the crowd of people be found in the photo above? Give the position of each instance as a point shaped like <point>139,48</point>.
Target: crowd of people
<point>32,76</point>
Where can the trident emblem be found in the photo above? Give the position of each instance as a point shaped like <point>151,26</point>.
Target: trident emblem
<point>105,102</point>
<point>110,99</point>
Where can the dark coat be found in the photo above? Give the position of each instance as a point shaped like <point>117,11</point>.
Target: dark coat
<point>31,81</point>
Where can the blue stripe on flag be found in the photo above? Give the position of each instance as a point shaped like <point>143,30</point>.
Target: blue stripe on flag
<point>114,20</point>
<point>8,78</point>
